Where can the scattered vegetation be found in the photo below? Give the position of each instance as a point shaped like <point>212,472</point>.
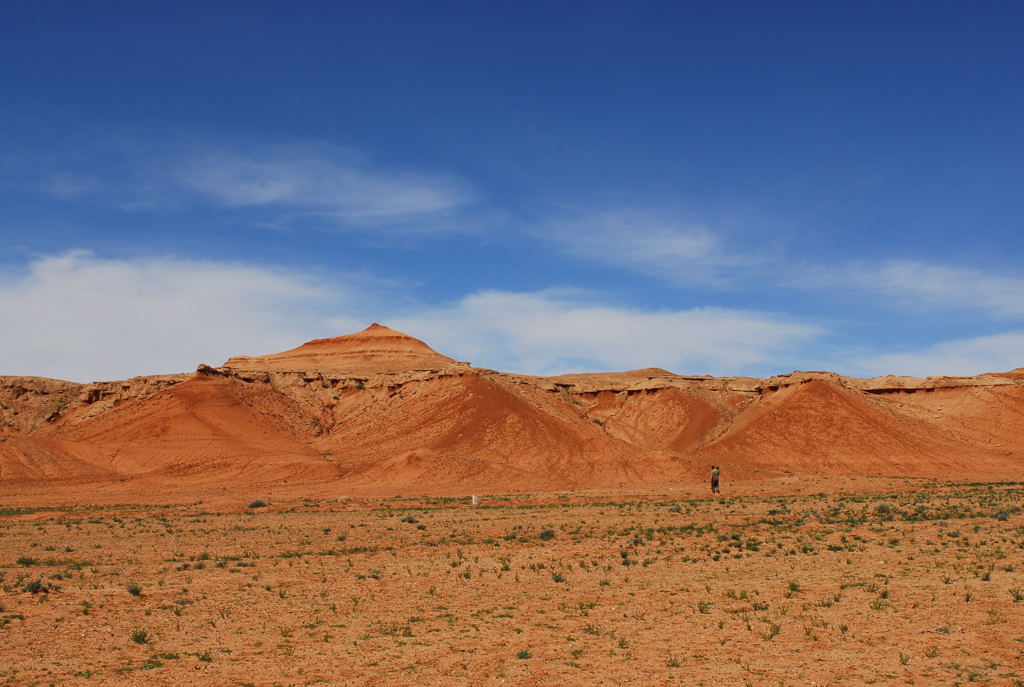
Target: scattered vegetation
<point>606,586</point>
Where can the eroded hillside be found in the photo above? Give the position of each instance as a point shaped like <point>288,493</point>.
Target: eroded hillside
<point>382,410</point>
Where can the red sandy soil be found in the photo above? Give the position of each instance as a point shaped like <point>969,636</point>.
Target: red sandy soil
<point>380,412</point>
<point>918,586</point>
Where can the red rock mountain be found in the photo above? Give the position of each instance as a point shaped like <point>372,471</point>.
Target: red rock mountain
<point>376,349</point>
<point>381,412</point>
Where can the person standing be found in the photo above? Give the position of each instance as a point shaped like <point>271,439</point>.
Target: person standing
<point>714,479</point>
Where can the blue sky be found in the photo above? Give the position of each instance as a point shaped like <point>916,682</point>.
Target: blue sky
<point>724,188</point>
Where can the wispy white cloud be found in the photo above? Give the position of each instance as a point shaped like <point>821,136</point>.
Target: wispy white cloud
<point>290,183</point>
<point>915,285</point>
<point>319,179</point>
<point>80,317</point>
<point>555,331</point>
<point>696,255</point>
<point>660,245</point>
<point>68,185</point>
<point>970,356</point>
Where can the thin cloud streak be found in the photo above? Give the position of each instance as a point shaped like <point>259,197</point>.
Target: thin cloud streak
<point>667,248</point>
<point>914,285</point>
<point>970,356</point>
<point>693,255</point>
<point>319,179</point>
<point>556,331</point>
<point>299,183</point>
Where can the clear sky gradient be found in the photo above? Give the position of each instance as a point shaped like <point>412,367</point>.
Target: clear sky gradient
<point>720,187</point>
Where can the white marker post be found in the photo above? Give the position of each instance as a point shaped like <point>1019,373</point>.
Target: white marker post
<point>476,500</point>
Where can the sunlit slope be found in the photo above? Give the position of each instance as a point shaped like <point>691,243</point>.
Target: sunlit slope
<point>207,428</point>
<point>820,427</point>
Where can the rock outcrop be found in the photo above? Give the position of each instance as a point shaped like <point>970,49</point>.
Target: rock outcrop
<point>382,410</point>
<point>376,349</point>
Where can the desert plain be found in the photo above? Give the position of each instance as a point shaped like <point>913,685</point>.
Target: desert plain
<point>306,518</point>
<point>914,582</point>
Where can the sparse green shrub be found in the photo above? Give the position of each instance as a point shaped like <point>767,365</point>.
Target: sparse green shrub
<point>40,587</point>
<point>258,503</point>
